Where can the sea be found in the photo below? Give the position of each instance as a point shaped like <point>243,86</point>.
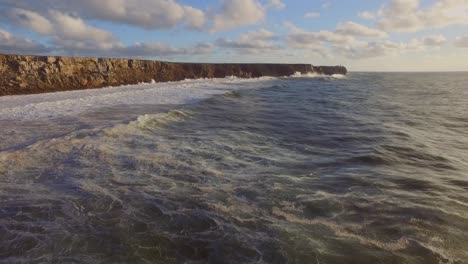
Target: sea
<point>364,168</point>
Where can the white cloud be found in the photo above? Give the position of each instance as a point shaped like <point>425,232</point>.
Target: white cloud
<point>71,35</point>
<point>302,38</point>
<point>159,49</point>
<point>326,5</point>
<point>345,41</point>
<point>117,49</point>
<point>260,34</point>
<point>369,50</point>
<point>84,47</point>
<point>461,42</point>
<point>194,18</point>
<point>251,42</point>
<point>32,20</point>
<point>59,25</point>
<point>410,16</point>
<point>312,15</point>
<point>10,43</point>
<point>436,40</point>
<point>149,14</point>
<point>366,15</point>
<point>384,48</point>
<point>278,4</point>
<point>74,28</point>
<point>354,29</point>
<point>238,13</point>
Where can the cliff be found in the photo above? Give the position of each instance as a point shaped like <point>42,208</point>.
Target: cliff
<point>39,74</point>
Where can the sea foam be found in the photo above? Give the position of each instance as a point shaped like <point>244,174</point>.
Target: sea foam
<point>71,103</point>
<point>317,75</point>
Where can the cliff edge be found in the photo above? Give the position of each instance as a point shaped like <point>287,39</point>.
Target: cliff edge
<point>40,74</point>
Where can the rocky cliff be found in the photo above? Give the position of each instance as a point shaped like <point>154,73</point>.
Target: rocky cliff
<point>39,74</point>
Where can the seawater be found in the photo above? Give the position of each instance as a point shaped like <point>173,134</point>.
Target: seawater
<point>370,168</point>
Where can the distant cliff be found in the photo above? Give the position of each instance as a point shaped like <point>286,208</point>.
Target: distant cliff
<point>39,74</point>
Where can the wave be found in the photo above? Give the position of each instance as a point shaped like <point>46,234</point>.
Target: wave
<point>344,232</point>
<point>72,103</point>
<point>316,179</point>
<point>150,121</point>
<point>316,75</point>
<point>232,94</point>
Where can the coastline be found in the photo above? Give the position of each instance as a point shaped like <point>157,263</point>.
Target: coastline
<point>44,74</point>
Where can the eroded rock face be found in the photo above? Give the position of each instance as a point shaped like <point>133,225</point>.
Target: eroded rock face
<point>39,74</point>
<point>330,70</point>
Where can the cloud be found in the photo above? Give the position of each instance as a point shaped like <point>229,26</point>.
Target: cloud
<point>278,4</point>
<point>306,39</point>
<point>194,18</point>
<point>161,50</point>
<point>238,13</point>
<point>148,14</point>
<point>312,15</point>
<point>345,42</point>
<point>262,34</point>
<point>74,28</point>
<point>366,15</point>
<point>117,49</point>
<point>436,40</point>
<point>302,38</point>
<point>410,16</point>
<point>369,50</point>
<point>315,42</point>
<point>461,42</point>
<point>384,48</point>
<point>59,25</point>
<point>10,43</point>
<point>326,5</point>
<point>252,42</point>
<point>71,35</point>
<point>355,29</point>
<point>32,20</point>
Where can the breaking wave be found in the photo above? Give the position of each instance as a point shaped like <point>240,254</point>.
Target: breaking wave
<point>291,170</point>
<point>316,75</point>
<point>159,120</point>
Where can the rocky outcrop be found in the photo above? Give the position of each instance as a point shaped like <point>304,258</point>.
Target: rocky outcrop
<point>39,74</point>
<point>330,70</point>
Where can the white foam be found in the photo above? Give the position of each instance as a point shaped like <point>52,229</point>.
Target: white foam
<point>52,105</point>
<point>338,76</point>
<point>316,75</point>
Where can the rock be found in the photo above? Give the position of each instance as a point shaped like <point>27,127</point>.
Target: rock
<point>330,70</point>
<point>49,74</point>
<point>51,60</point>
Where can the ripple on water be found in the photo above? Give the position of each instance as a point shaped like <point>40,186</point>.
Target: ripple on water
<point>300,170</point>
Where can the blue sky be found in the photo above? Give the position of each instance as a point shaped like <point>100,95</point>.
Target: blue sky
<point>366,35</point>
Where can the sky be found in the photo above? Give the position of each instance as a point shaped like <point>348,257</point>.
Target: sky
<point>364,35</point>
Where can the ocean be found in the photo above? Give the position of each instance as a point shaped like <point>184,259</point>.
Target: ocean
<point>367,168</point>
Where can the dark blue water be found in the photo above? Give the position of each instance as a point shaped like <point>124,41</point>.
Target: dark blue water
<point>372,168</point>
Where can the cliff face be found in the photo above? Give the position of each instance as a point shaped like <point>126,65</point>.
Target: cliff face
<point>330,70</point>
<point>39,74</point>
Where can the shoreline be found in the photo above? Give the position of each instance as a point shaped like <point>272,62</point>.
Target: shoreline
<point>44,74</point>
<point>44,106</point>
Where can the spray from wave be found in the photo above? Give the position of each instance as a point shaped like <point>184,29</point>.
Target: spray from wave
<point>316,75</point>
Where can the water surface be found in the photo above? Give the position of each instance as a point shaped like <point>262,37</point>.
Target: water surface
<point>371,168</point>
